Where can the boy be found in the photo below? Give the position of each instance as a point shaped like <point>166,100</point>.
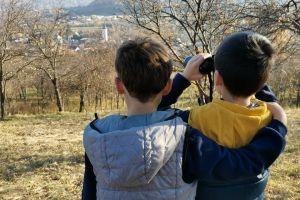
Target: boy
<point>139,156</point>
<point>242,63</point>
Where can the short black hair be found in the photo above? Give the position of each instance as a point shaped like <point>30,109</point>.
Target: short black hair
<point>144,66</point>
<point>244,60</point>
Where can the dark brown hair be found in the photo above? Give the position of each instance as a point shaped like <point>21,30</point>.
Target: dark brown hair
<point>244,60</point>
<point>144,67</point>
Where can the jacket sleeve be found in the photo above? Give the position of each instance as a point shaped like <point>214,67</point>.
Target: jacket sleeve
<point>205,160</point>
<point>180,83</point>
<point>266,94</point>
<point>89,181</point>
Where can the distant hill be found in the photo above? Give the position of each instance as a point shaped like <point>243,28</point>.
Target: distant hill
<point>46,4</point>
<point>99,7</point>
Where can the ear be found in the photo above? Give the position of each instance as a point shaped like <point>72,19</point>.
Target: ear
<point>119,85</point>
<point>167,88</point>
<point>218,82</point>
<point>218,79</point>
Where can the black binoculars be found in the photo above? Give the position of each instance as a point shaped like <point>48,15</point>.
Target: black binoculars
<point>206,67</point>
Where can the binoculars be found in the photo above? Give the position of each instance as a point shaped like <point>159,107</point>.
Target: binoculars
<point>206,67</point>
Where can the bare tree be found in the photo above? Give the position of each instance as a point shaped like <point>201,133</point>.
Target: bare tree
<point>79,79</point>
<point>97,69</point>
<point>13,58</point>
<point>280,21</point>
<point>46,36</point>
<point>269,17</point>
<point>102,79</point>
<point>186,27</point>
<point>192,26</point>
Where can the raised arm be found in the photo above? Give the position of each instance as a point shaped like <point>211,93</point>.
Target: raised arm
<point>180,83</point>
<point>183,80</point>
<point>206,160</point>
<point>191,73</point>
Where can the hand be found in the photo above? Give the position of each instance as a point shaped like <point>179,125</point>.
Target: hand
<point>277,112</point>
<point>191,71</point>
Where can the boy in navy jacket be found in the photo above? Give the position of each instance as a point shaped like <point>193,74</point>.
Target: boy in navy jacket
<point>244,59</point>
<point>234,180</point>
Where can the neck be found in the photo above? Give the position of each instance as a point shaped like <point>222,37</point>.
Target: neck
<point>135,107</point>
<point>243,101</point>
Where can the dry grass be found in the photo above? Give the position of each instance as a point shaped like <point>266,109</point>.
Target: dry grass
<point>285,173</point>
<point>41,157</point>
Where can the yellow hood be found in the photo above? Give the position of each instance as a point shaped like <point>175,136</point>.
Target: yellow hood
<point>230,124</point>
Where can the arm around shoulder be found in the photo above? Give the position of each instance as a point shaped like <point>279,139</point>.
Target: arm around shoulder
<point>277,112</point>
<point>205,160</point>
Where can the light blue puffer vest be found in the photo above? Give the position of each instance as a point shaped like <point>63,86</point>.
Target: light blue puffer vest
<point>138,157</point>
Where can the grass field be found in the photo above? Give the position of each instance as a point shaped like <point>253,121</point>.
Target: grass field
<point>41,157</point>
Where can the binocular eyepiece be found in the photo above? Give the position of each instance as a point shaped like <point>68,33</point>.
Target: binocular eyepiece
<point>206,67</point>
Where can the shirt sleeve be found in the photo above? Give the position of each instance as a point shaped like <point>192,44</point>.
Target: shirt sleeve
<point>89,181</point>
<point>180,83</point>
<point>205,160</point>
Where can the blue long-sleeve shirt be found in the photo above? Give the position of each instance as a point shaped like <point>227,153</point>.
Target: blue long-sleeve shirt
<point>206,160</point>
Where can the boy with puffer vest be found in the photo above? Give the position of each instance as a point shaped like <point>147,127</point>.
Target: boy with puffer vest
<point>242,63</point>
<point>140,155</point>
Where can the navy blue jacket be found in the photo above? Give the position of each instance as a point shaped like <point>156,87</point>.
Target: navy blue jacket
<point>247,188</point>
<point>205,160</point>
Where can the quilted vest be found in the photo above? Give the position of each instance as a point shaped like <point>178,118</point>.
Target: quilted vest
<point>138,157</point>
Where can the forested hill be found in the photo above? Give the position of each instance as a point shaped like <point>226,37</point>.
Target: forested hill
<point>82,7</point>
<point>99,7</point>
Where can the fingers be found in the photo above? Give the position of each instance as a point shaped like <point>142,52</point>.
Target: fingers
<point>277,112</point>
<point>191,71</point>
<point>198,59</point>
<point>206,55</point>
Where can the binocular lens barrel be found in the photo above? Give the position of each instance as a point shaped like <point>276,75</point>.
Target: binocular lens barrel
<point>206,67</point>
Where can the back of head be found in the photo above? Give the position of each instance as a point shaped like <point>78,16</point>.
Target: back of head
<point>144,67</point>
<point>244,60</point>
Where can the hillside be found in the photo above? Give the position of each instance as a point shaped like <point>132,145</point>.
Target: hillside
<point>46,4</point>
<point>99,7</point>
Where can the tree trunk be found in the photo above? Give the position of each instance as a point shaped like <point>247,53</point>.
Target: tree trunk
<point>106,101</point>
<point>111,103</point>
<point>2,95</point>
<point>2,101</point>
<point>23,93</point>
<point>202,98</point>
<point>298,93</point>
<point>57,95</point>
<point>118,99</point>
<point>81,104</point>
<point>42,89</point>
<point>96,101</point>
<point>100,101</point>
